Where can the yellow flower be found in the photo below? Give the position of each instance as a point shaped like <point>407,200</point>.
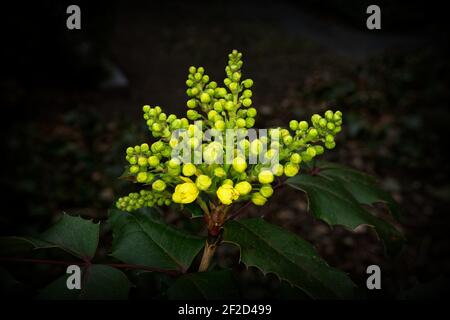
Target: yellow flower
<point>227,194</point>
<point>185,192</point>
<point>203,182</point>
<point>243,188</point>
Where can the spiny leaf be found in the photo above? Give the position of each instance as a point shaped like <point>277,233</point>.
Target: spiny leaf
<point>75,235</point>
<point>144,239</point>
<point>363,187</point>
<point>331,202</point>
<point>275,250</point>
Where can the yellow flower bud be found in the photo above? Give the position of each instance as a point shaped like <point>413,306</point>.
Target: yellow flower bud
<point>227,194</point>
<point>243,188</point>
<point>265,176</point>
<point>219,172</point>
<point>258,199</point>
<point>189,169</point>
<point>256,147</point>
<point>227,182</point>
<point>213,152</point>
<point>266,190</point>
<point>185,193</point>
<point>203,182</point>
<point>277,169</point>
<point>291,169</point>
<point>239,164</point>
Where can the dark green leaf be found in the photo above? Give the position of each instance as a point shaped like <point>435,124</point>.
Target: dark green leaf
<point>100,282</point>
<point>75,235</point>
<point>204,285</point>
<point>331,202</point>
<point>363,187</point>
<point>275,250</point>
<point>144,239</point>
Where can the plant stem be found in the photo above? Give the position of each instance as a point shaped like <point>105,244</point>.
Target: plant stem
<point>208,254</point>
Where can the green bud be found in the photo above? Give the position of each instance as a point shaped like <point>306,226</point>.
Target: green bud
<point>303,125</point>
<point>220,92</point>
<point>296,158</point>
<point>134,169</point>
<point>236,76</point>
<point>323,123</point>
<point>241,123</point>
<point>191,103</point>
<point>330,126</point>
<point>192,70</point>
<point>249,122</point>
<point>153,161</point>
<point>159,185</point>
<point>141,177</point>
<point>130,151</point>
<point>247,93</point>
<point>312,133</point>
<point>311,151</point>
<point>266,190</point>
<point>319,149</point>
<point>329,115</point>
<point>293,125</point>
<point>233,86</point>
<point>329,138</point>
<point>287,140</point>
<point>247,102</point>
<point>315,118</point>
<point>251,112</point>
<point>142,161</point>
<point>258,199</point>
<point>330,145</point>
<point>174,163</point>
<point>205,98</point>
<point>146,108</point>
<point>219,125</point>
<point>248,83</point>
<point>218,106</point>
<point>156,127</point>
<point>192,114</point>
<point>229,105</point>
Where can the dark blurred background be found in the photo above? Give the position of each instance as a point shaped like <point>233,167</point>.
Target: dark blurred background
<point>71,103</point>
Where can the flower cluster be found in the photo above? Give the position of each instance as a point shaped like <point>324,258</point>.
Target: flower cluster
<point>203,175</point>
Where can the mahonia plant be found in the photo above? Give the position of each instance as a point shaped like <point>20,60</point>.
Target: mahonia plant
<point>166,179</point>
<point>214,163</point>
